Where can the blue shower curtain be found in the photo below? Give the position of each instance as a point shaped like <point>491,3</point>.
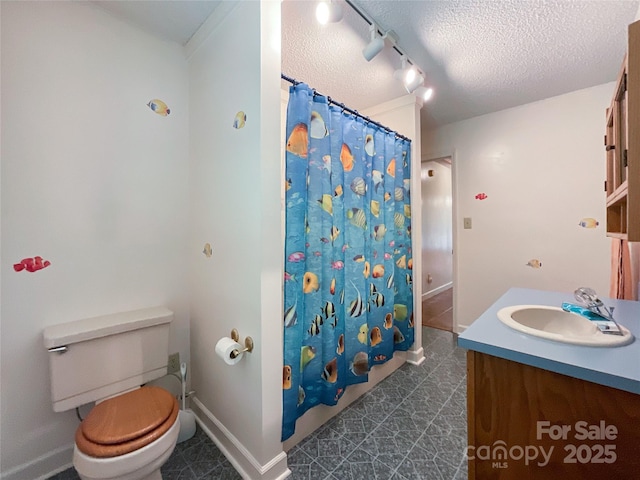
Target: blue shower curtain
<point>348,265</point>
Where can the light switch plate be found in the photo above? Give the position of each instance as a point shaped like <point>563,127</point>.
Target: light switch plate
<point>467,223</point>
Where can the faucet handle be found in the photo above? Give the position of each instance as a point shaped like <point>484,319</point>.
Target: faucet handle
<point>586,295</point>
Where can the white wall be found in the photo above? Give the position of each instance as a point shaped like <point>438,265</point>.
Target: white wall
<point>542,168</point>
<point>437,233</point>
<point>235,206</point>
<point>96,183</point>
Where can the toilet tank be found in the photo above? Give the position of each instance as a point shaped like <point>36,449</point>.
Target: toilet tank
<point>98,357</point>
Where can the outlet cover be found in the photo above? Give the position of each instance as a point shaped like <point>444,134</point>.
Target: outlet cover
<point>467,222</point>
<point>173,366</point>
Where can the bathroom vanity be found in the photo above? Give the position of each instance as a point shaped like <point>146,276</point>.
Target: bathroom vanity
<point>538,408</point>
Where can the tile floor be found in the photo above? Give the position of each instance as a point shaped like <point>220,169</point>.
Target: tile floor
<point>411,426</point>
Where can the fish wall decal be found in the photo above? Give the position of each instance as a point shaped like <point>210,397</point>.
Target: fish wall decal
<point>588,223</point>
<point>31,264</point>
<point>159,107</point>
<point>240,120</point>
<point>534,263</point>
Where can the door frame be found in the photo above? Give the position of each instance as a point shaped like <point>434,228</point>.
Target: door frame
<point>429,156</point>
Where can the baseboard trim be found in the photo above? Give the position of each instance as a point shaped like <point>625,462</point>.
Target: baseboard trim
<point>242,460</point>
<point>42,467</point>
<point>461,328</point>
<point>415,357</point>
<point>435,291</point>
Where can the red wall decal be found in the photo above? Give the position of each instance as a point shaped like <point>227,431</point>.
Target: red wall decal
<point>31,264</point>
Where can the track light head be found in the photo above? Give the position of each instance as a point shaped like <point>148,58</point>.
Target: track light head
<point>425,93</point>
<point>413,80</point>
<point>375,46</point>
<point>328,12</point>
<point>409,76</point>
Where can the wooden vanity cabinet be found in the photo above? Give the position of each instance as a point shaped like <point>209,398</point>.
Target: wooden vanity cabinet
<point>506,400</point>
<point>622,146</point>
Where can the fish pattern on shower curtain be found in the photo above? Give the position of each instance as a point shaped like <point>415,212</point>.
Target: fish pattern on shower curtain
<point>348,300</point>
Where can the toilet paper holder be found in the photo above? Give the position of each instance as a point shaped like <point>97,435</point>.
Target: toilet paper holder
<point>248,344</point>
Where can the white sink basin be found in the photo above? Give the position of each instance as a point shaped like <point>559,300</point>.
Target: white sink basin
<point>553,323</point>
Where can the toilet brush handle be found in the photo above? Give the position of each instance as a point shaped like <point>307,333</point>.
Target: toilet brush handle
<point>183,374</point>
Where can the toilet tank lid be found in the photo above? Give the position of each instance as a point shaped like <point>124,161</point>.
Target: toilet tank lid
<point>96,327</point>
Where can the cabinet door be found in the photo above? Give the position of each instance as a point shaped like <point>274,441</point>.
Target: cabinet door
<point>506,403</point>
<point>617,148</point>
<point>620,128</point>
<point>632,168</point>
<point>610,148</point>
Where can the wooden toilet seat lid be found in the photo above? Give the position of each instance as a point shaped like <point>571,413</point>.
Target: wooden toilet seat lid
<point>126,423</point>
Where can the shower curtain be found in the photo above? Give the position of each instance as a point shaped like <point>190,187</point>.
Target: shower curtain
<point>348,266</point>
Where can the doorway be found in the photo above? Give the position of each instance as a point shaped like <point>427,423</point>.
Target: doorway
<point>437,243</point>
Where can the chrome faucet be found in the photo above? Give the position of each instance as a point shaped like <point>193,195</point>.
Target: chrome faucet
<point>589,299</point>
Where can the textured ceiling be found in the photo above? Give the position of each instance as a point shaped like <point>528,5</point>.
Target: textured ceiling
<point>480,56</point>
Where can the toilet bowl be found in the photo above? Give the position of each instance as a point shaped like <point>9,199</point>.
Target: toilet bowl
<point>127,437</point>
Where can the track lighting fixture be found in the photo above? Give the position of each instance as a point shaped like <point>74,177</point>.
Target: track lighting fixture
<point>328,12</point>
<point>409,76</point>
<point>375,46</point>
<point>413,80</point>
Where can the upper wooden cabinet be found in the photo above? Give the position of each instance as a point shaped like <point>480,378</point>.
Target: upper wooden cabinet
<point>622,145</point>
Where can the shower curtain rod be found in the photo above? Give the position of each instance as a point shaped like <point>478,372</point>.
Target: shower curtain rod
<point>344,107</point>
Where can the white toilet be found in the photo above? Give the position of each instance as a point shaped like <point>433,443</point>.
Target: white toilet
<point>132,430</point>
